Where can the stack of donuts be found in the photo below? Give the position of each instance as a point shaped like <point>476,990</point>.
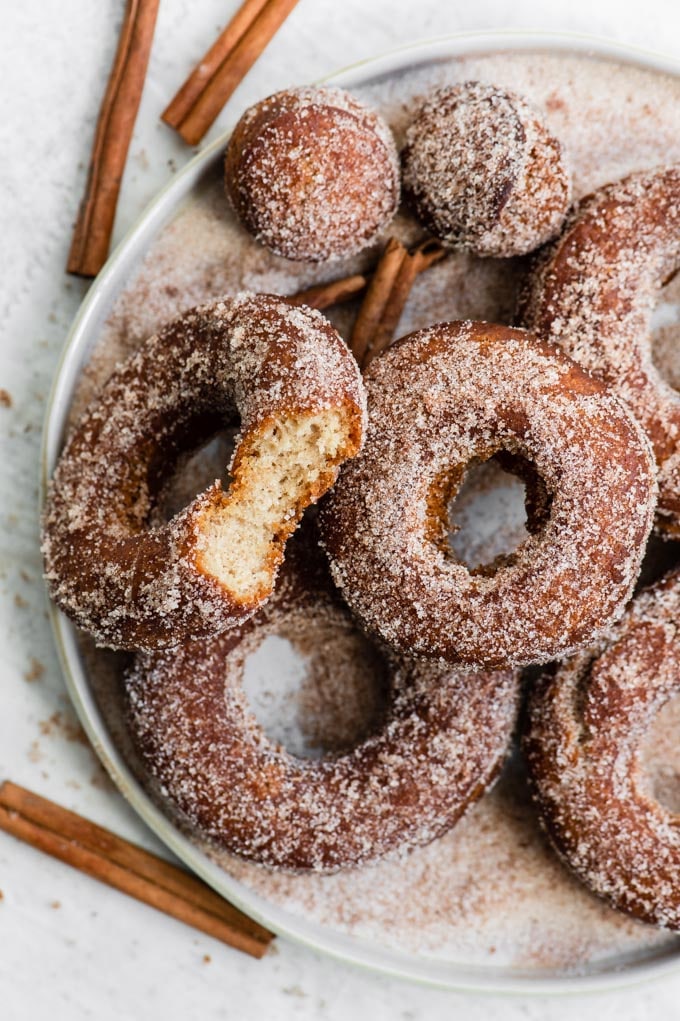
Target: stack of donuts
<point>567,399</point>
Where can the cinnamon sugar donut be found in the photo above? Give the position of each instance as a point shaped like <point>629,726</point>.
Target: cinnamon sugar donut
<point>483,172</point>
<point>312,173</point>
<point>137,583</point>
<point>593,293</point>
<point>441,742</point>
<point>439,400</point>
<point>586,723</point>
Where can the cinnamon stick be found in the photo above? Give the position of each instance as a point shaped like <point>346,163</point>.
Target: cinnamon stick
<point>210,64</point>
<point>334,292</point>
<point>199,101</point>
<point>421,258</point>
<point>105,856</point>
<point>387,294</point>
<point>92,233</point>
<point>376,299</point>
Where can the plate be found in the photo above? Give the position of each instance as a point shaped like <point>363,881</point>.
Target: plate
<point>287,906</point>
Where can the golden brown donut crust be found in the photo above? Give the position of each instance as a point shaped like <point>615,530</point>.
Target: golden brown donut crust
<point>312,173</point>
<point>438,748</point>
<point>592,293</point>
<point>132,585</point>
<point>439,399</point>
<point>586,723</point>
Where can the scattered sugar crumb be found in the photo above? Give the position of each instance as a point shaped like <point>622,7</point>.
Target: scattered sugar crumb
<point>64,725</point>
<point>35,670</point>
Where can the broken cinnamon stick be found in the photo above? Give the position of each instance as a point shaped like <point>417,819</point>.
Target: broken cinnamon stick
<point>107,857</point>
<point>387,294</point>
<point>199,101</point>
<point>334,292</point>
<point>182,103</point>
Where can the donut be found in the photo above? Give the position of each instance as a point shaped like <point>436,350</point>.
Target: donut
<point>440,743</point>
<point>482,171</point>
<point>312,173</point>
<point>441,400</point>
<point>136,583</point>
<point>586,721</point>
<point>593,293</point>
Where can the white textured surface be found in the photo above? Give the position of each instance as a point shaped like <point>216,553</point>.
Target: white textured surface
<point>70,948</point>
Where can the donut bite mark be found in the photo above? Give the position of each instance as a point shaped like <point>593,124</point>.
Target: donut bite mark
<point>439,400</point>
<point>592,293</point>
<point>312,173</point>
<point>586,722</point>
<point>482,171</point>
<point>436,749</point>
<point>136,583</point>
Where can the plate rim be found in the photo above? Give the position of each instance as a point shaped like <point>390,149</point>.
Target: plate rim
<point>358,952</point>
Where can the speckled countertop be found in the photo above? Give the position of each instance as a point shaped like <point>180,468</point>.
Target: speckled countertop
<point>69,947</point>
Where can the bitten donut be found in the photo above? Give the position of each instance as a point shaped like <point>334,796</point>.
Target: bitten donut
<point>593,294</point>
<point>482,171</point>
<point>439,745</point>
<point>586,723</point>
<point>439,400</point>
<point>135,583</point>
<point>312,173</point>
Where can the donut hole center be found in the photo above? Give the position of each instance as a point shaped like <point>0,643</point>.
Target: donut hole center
<point>665,331</point>
<point>490,515</point>
<point>193,473</point>
<point>659,757</point>
<point>316,690</point>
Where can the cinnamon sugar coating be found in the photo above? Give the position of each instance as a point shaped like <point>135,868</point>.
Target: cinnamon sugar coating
<point>586,724</point>
<point>439,746</point>
<point>483,172</point>
<point>312,173</point>
<point>136,582</point>
<point>449,396</point>
<point>593,293</point>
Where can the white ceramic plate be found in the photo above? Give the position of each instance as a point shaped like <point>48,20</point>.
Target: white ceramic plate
<point>81,340</point>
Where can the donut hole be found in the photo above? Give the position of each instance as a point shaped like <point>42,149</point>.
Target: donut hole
<point>316,689</point>
<point>665,331</point>
<point>194,473</point>
<point>491,515</point>
<point>659,757</point>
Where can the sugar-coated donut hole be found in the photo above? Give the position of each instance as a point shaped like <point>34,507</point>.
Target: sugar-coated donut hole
<point>312,173</point>
<point>665,330</point>
<point>481,170</point>
<point>659,757</point>
<point>315,687</point>
<point>500,488</point>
